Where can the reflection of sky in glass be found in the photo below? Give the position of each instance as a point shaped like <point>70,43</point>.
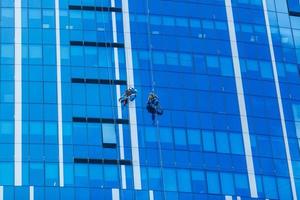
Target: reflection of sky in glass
<point>198,147</point>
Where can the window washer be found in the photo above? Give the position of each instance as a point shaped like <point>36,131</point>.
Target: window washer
<point>128,95</point>
<point>153,106</point>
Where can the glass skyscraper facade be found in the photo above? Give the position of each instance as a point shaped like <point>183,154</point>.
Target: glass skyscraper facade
<point>227,75</point>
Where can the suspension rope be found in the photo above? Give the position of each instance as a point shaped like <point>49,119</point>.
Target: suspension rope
<point>108,68</point>
<point>153,84</point>
<point>153,87</point>
<point>150,48</point>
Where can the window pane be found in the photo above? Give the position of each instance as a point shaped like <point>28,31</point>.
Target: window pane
<point>208,141</point>
<point>236,142</point>
<point>184,180</point>
<point>270,187</point>
<point>180,138</point>
<point>222,142</point>
<point>109,134</point>
<point>241,182</point>
<point>198,182</point>
<point>169,177</point>
<point>154,175</point>
<point>284,188</point>
<point>227,183</point>
<point>213,182</point>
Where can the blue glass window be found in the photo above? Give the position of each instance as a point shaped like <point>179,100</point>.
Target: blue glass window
<point>241,183</point>
<point>266,70</point>
<point>208,141</point>
<point>166,137</point>
<point>51,174</point>
<point>111,176</point>
<point>226,66</point>
<point>81,175</point>
<point>7,17</point>
<point>194,139</point>
<point>284,188</point>
<point>227,183</point>
<point>180,137</point>
<point>184,180</point>
<point>236,144</point>
<point>7,53</point>
<point>169,178</point>
<point>6,173</point>
<point>154,176</point>
<point>68,174</point>
<point>198,182</point>
<point>109,134</point>
<point>186,60</point>
<point>222,142</point>
<point>172,58</point>
<point>270,187</point>
<point>158,58</point>
<point>213,182</point>
<point>212,61</point>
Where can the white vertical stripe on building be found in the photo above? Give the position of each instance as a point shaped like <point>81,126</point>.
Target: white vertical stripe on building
<point>241,99</point>
<point>1,192</point>
<point>59,96</point>
<point>117,72</point>
<point>132,107</point>
<point>118,91</point>
<point>123,174</point>
<point>31,193</point>
<point>18,93</point>
<point>115,194</point>
<point>228,197</point>
<point>279,100</point>
<point>238,198</point>
<point>151,195</point>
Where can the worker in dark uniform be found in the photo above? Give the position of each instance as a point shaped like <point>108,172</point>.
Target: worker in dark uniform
<point>153,106</point>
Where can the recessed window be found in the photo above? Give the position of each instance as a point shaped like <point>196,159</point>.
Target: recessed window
<point>109,139</point>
